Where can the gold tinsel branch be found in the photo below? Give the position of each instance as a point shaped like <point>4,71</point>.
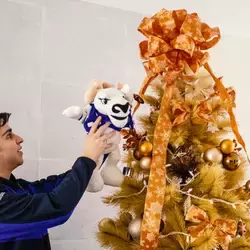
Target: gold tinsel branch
<point>210,181</point>
<point>175,222</point>
<point>114,233</point>
<point>113,242</point>
<point>127,158</point>
<point>237,212</point>
<point>202,138</point>
<point>172,196</point>
<point>241,243</point>
<point>168,243</point>
<point>170,246</point>
<point>157,87</point>
<point>144,121</point>
<point>179,135</point>
<point>152,101</point>
<point>207,241</point>
<point>133,200</point>
<point>147,123</point>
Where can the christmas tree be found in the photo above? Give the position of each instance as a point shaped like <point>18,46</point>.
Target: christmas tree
<point>184,186</point>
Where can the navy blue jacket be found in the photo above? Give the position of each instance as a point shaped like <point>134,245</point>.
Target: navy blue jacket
<point>28,209</point>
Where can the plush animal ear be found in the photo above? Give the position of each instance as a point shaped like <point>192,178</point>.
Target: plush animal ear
<point>93,88</point>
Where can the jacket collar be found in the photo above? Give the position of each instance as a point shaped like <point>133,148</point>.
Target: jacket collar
<point>9,182</point>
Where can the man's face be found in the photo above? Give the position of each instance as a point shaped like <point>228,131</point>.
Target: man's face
<point>10,148</point>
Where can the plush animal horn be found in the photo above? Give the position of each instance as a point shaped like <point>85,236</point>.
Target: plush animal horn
<point>126,90</point>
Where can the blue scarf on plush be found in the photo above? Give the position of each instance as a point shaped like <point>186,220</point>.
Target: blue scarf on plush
<point>94,114</point>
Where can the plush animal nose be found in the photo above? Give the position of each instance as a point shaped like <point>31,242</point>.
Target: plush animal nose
<point>118,107</point>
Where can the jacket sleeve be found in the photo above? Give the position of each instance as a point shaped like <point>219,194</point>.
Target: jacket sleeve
<point>30,213</point>
<point>44,185</point>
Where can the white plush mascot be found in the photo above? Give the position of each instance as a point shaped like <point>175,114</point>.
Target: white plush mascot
<point>114,105</point>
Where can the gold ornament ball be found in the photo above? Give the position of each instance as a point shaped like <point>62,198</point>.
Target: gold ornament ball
<point>213,155</point>
<point>145,162</point>
<point>104,222</point>
<point>227,146</point>
<point>134,228</point>
<point>231,162</point>
<point>146,148</point>
<point>137,154</point>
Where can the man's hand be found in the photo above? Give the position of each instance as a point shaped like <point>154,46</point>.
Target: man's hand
<point>96,141</point>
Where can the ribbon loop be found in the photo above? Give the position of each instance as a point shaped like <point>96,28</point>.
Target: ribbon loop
<point>225,229</point>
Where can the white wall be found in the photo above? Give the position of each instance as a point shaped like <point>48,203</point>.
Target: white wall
<point>50,50</point>
<point>230,15</point>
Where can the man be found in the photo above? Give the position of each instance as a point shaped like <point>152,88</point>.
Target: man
<point>28,209</point>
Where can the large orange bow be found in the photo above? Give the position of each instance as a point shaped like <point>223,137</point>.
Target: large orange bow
<point>175,37</point>
<point>225,229</point>
<point>175,40</point>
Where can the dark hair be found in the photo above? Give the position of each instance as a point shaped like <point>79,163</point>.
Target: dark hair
<point>4,118</point>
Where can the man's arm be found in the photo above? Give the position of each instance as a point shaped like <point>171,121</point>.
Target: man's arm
<point>44,185</point>
<point>23,213</point>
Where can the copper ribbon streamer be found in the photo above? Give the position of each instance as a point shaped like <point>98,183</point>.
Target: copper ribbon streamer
<point>225,96</point>
<point>175,41</point>
<point>225,229</point>
<point>157,181</point>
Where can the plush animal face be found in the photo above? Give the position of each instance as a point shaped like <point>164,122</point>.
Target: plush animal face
<point>113,103</point>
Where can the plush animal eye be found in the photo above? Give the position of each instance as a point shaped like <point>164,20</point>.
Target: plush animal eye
<point>104,100</point>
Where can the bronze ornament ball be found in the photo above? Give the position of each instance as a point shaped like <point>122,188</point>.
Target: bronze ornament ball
<point>231,162</point>
<point>137,154</point>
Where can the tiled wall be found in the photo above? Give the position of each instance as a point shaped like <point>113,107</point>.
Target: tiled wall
<point>49,51</point>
